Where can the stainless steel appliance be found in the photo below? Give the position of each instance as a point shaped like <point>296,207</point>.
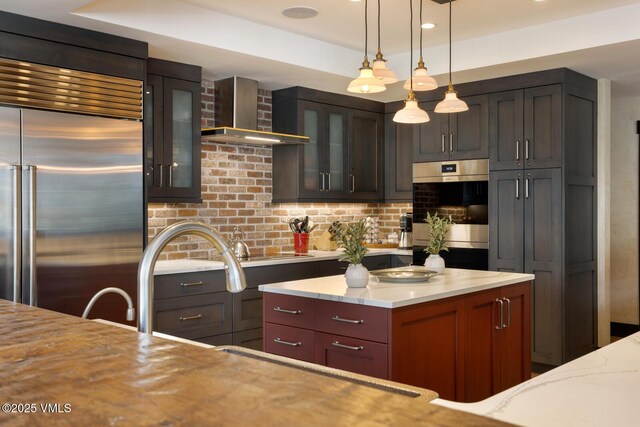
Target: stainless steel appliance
<point>406,231</point>
<point>71,209</point>
<point>459,189</point>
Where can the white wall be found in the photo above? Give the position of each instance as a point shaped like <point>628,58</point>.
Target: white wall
<point>625,112</point>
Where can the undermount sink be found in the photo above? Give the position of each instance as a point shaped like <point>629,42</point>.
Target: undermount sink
<point>388,386</point>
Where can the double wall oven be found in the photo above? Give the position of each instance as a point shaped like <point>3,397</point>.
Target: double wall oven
<point>459,189</point>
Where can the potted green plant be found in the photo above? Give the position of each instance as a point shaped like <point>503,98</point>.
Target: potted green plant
<point>350,237</point>
<point>439,226</point>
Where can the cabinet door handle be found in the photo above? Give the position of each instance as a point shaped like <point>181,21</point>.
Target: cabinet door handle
<point>196,317</point>
<point>517,188</point>
<point>518,150</point>
<point>501,324</point>
<point>289,343</point>
<point>443,137</point>
<point>284,310</point>
<point>526,188</point>
<point>321,182</point>
<point>349,347</point>
<point>508,324</point>
<point>526,149</point>
<point>186,285</point>
<point>170,176</point>
<point>353,183</point>
<point>451,142</point>
<point>328,181</point>
<point>353,322</point>
<point>161,183</point>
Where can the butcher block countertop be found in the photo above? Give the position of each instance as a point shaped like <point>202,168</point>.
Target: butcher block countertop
<point>104,375</point>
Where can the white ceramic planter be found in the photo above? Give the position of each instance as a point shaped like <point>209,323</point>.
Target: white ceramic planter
<point>357,276</point>
<point>434,263</point>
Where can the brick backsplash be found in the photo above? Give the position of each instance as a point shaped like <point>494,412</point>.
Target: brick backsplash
<point>236,191</point>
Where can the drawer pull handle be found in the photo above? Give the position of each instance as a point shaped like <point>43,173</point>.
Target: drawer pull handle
<point>353,322</point>
<point>348,347</point>
<point>289,343</point>
<point>186,285</point>
<point>197,316</point>
<point>284,310</point>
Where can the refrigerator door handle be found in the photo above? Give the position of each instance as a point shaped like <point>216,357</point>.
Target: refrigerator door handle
<point>33,280</point>
<point>17,232</point>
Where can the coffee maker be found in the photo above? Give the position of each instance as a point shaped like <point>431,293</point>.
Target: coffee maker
<point>406,231</point>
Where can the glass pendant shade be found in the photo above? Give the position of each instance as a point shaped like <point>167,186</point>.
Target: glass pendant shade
<point>366,81</point>
<point>384,74</point>
<point>422,81</point>
<point>411,113</point>
<point>451,103</point>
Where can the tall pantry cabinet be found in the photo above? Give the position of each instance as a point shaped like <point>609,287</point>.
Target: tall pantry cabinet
<point>543,205</point>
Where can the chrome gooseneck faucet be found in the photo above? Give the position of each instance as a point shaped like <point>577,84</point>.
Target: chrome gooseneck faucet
<point>236,281</point>
<point>131,312</point>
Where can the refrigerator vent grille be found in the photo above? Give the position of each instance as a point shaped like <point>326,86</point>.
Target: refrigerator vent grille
<point>54,88</point>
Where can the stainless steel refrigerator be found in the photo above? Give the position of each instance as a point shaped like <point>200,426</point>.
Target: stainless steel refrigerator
<point>71,209</point>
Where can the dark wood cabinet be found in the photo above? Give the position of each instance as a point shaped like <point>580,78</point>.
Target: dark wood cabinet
<point>542,205</point>
<point>343,160</point>
<point>526,128</point>
<point>497,342</point>
<point>451,345</point>
<point>459,136</point>
<point>172,132</point>
<point>400,139</point>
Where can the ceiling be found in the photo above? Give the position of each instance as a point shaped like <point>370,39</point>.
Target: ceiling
<point>253,39</point>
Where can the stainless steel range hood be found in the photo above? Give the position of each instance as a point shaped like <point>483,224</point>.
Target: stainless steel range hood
<point>236,116</point>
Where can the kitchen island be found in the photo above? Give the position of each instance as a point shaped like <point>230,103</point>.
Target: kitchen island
<point>104,375</point>
<point>465,334</point>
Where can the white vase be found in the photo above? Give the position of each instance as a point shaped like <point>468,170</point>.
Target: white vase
<point>357,276</point>
<point>435,263</point>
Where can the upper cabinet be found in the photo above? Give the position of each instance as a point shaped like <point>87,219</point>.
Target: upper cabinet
<point>400,139</point>
<point>172,132</point>
<point>459,136</point>
<point>526,128</point>
<point>343,160</point>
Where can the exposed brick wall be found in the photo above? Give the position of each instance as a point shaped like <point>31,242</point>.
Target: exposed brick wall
<point>236,190</point>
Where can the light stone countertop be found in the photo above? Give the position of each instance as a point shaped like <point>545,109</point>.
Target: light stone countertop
<point>192,265</point>
<point>392,295</point>
<point>601,388</point>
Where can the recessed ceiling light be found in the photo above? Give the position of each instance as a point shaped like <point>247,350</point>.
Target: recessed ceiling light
<point>300,12</point>
<point>429,25</point>
<point>355,1</point>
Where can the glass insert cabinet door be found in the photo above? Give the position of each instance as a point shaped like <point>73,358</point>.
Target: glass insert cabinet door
<point>181,166</point>
<point>336,158</point>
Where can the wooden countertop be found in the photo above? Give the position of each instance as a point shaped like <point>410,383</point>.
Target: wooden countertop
<point>111,376</point>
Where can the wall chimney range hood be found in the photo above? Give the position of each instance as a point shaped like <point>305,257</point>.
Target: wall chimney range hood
<point>236,116</point>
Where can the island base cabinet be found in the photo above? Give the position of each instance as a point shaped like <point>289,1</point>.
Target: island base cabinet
<point>497,341</point>
<point>296,343</point>
<point>351,354</point>
<point>427,346</point>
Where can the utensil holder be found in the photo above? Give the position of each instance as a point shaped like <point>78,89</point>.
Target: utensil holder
<point>301,243</point>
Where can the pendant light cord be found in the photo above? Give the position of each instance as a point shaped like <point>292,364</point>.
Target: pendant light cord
<point>366,29</point>
<point>378,25</point>
<point>411,43</point>
<point>421,1</point>
<point>450,79</point>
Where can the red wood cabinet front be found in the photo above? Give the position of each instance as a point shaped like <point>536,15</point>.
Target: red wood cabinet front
<point>351,354</point>
<point>296,343</point>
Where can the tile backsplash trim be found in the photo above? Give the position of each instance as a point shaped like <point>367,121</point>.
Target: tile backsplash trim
<point>236,191</point>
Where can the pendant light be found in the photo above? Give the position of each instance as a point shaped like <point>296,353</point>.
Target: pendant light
<point>380,69</point>
<point>366,81</point>
<point>451,103</point>
<point>421,79</point>
<point>411,113</point>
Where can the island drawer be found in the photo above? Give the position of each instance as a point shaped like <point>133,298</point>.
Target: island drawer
<point>290,342</point>
<point>351,354</point>
<point>352,320</point>
<point>288,310</point>
<point>185,284</point>
<point>196,316</point>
